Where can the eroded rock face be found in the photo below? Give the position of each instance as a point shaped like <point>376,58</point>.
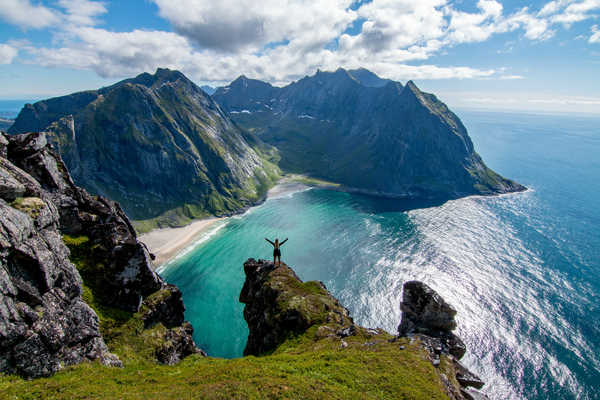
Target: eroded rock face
<point>44,323</point>
<point>279,304</point>
<point>429,318</point>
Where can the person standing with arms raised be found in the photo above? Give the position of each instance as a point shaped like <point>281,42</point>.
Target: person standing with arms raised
<point>276,250</point>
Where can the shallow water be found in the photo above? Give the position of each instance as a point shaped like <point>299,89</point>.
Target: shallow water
<point>522,270</point>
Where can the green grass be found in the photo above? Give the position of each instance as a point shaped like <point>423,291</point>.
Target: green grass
<point>309,365</point>
<point>369,368</point>
<point>310,181</point>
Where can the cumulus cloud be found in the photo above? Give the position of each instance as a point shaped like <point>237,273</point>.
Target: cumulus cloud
<point>25,15</point>
<point>7,53</point>
<point>283,40</point>
<point>116,54</point>
<point>246,24</point>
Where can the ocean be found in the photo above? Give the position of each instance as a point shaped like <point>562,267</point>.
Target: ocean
<point>10,108</point>
<point>523,270</point>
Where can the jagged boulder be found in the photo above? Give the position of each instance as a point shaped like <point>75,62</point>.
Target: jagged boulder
<point>44,323</point>
<point>426,312</point>
<point>429,318</point>
<point>279,305</point>
<point>423,310</point>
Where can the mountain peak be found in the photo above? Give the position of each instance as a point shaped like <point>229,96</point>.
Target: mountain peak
<point>368,78</point>
<point>411,90</point>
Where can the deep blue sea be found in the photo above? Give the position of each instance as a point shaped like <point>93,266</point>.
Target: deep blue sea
<point>522,270</point>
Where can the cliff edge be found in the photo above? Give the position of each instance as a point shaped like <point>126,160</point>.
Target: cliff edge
<point>73,277</point>
<point>286,315</point>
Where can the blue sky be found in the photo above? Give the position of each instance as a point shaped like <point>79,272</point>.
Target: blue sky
<point>491,54</point>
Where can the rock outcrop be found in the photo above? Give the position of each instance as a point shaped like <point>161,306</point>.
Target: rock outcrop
<point>281,308</point>
<point>369,134</point>
<point>279,305</point>
<point>427,317</point>
<point>44,322</point>
<point>157,144</point>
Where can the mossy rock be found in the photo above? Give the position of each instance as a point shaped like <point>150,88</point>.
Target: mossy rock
<point>29,205</point>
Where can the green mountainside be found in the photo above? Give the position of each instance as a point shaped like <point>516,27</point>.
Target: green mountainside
<point>365,132</point>
<point>157,144</point>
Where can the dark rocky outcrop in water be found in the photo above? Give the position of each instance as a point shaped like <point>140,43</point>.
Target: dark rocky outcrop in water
<point>44,322</point>
<point>368,133</point>
<point>156,144</point>
<point>279,306</point>
<point>427,316</point>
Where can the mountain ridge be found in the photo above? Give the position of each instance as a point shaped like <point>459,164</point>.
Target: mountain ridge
<point>158,144</point>
<point>385,139</point>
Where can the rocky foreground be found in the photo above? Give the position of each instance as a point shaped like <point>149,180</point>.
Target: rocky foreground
<point>46,317</point>
<point>280,309</point>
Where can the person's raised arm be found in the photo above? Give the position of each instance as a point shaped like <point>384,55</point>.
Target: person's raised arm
<point>281,244</point>
<point>270,241</point>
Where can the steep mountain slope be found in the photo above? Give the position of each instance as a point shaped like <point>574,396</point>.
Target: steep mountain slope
<point>365,132</point>
<point>157,144</point>
<point>73,277</point>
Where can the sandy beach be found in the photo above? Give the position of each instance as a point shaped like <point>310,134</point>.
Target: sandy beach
<point>166,243</point>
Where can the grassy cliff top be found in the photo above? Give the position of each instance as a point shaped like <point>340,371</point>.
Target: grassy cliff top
<point>369,364</point>
<point>368,368</point>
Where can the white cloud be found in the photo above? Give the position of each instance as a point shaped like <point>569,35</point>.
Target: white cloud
<point>112,54</point>
<point>567,12</point>
<point>595,37</point>
<point>511,77</point>
<point>584,101</point>
<point>245,24</point>
<point>25,15</point>
<point>283,40</point>
<point>7,53</point>
<point>82,12</point>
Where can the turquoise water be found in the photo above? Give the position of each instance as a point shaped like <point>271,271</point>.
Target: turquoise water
<point>522,270</point>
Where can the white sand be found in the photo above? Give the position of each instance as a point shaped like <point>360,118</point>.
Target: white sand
<point>285,188</point>
<point>166,243</point>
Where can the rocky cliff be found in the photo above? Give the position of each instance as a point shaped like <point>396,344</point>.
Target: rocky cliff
<point>365,132</point>
<point>157,144</point>
<point>285,313</point>
<point>49,315</point>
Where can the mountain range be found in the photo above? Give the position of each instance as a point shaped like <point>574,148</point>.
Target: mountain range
<point>371,134</point>
<point>158,144</point>
<point>169,152</point>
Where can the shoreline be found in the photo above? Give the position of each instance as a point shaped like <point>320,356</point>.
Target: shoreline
<point>168,243</point>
